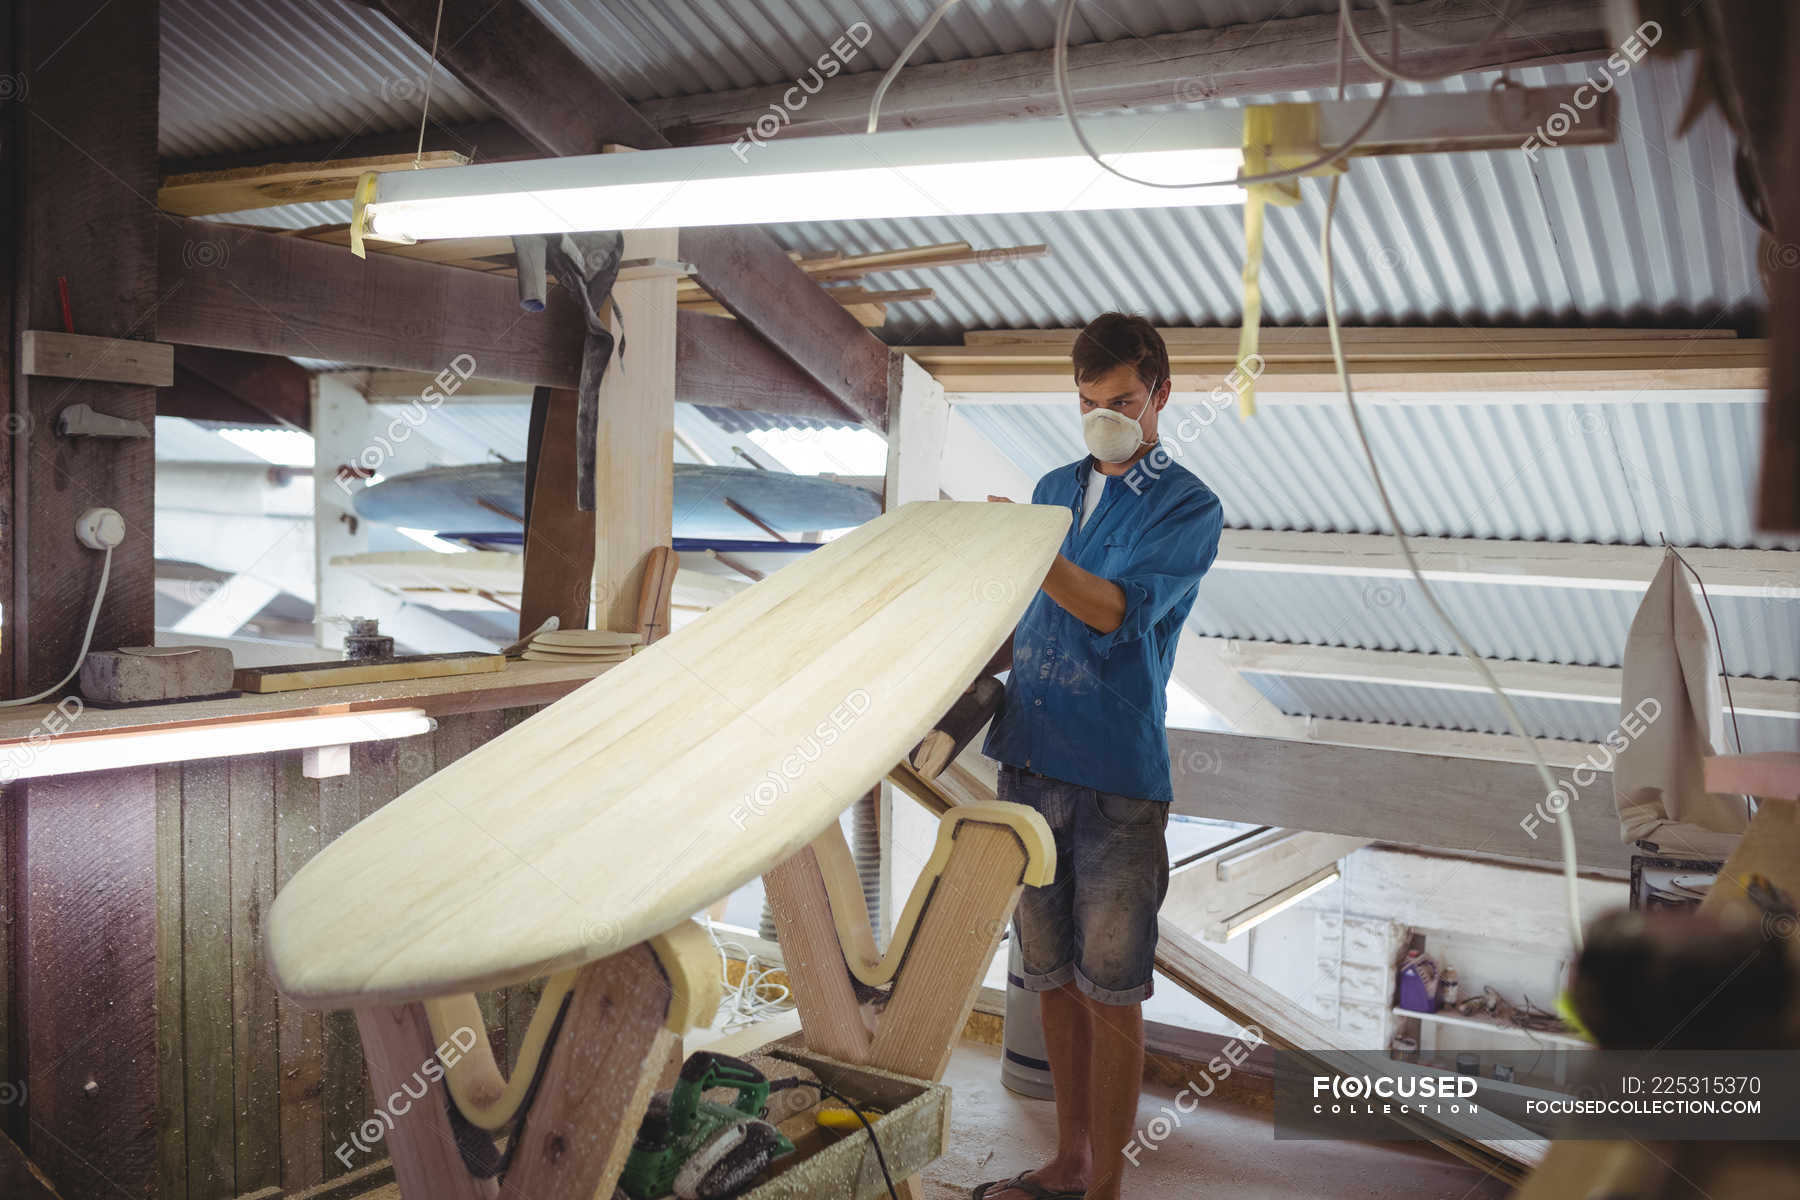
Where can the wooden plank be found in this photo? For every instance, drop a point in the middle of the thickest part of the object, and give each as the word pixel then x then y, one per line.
pixel 319 302
pixel 207 927
pixel 480 141
pixel 203 193
pixel 343 1079
pixel 757 284
pixel 1564 681
pixel 950 950
pixel 597 1082
pixel 1758 574
pixel 531 78
pixel 1717 365
pixel 827 638
pixel 100 359
pixel 1252 59
pixel 80 170
pixel 307 676
pixel 171 1042
pixel 634 481
pixel 830 1016
pixel 559 537
pixel 255 1021
pixel 271 384
pixel 724 362
pixel 300 1036
pixel 1409 799
pixel 398 1042
pixel 519 683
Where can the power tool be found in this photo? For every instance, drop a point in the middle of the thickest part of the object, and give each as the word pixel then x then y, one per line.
pixel 695 1149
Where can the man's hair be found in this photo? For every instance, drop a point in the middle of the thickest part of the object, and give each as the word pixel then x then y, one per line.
pixel 1117 339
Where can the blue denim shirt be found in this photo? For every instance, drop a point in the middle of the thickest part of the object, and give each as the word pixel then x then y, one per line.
pixel 1089 708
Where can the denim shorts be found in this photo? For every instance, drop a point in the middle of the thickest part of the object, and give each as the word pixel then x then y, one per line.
pixel 1095 922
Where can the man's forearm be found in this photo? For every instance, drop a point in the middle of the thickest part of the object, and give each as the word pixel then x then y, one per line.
pixel 1095 602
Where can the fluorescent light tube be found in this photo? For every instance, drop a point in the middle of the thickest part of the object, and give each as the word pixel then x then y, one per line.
pixel 1012 166
pixel 1027 166
pixel 74 753
pixel 1262 910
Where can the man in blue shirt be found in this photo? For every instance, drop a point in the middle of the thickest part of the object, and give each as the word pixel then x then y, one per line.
pixel 1081 738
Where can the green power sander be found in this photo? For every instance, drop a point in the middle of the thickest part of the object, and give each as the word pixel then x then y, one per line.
pixel 695 1149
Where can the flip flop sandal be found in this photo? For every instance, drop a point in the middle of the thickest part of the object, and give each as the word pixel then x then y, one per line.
pixel 1019 1183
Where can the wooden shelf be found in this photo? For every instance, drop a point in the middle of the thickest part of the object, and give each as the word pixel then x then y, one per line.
pixel 519 685
pixel 1460 1022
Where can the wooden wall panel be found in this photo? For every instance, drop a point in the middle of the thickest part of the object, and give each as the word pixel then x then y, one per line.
pixel 142 939
pixel 300 1038
pixel 208 1044
pixel 84 921
pixel 254 1019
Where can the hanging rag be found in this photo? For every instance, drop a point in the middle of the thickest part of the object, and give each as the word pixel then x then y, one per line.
pixel 587 264
pixel 1670 685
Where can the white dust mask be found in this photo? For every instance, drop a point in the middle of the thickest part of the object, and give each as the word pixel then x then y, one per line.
pixel 1111 436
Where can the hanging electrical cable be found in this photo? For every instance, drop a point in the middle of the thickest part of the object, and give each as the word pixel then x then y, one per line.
pixel 1060 70
pixel 887 78
pixel 1564 826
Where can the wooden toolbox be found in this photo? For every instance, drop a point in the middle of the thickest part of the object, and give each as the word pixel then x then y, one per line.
pixel 912 1130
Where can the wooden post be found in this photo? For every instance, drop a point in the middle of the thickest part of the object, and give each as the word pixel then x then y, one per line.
pixel 634 466
pixel 341 441
pixel 82 145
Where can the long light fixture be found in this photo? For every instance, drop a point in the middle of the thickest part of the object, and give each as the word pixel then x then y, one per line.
pixel 1014 166
pixel 76 753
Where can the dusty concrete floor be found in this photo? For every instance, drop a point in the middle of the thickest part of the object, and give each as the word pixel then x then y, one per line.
pixel 1220 1150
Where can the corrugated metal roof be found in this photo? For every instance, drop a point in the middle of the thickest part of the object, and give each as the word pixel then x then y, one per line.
pixel 239 74
pixel 1480 712
pixel 1544 471
pixel 660 48
pixel 1648 230
pixel 1583 626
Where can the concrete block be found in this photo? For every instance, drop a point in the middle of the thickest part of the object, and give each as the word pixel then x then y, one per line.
pixel 145 674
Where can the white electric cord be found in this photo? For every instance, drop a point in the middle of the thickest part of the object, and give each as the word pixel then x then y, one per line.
pixel 1563 823
pixel 918 39
pixel 87 640
pixel 1060 65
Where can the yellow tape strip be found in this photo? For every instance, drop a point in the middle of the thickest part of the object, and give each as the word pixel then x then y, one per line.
pixel 359 216
pixel 1276 137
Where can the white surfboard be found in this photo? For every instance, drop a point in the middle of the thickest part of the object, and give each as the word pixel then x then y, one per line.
pixel 674 778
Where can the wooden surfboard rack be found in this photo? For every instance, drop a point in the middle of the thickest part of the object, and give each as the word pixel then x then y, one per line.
pixel 598 1046
pixel 942 944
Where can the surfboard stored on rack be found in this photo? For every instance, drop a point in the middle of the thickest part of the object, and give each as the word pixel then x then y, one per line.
pixel 674 778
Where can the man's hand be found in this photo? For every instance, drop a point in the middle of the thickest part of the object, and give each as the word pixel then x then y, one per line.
pixel 992 499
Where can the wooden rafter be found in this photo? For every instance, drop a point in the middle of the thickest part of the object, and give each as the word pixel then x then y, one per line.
pixel 1255 59
pixel 203 193
pixel 531 78
pixel 1297 364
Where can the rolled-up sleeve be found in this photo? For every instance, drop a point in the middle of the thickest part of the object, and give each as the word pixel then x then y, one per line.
pixel 1166 566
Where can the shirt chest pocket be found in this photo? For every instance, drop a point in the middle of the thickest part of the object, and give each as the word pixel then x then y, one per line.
pixel 1115 554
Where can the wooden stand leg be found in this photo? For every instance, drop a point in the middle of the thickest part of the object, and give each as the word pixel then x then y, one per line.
pixel 605 1065
pixel 397 1044
pixel 611 1049
pixel 956 938
pixel 831 1019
